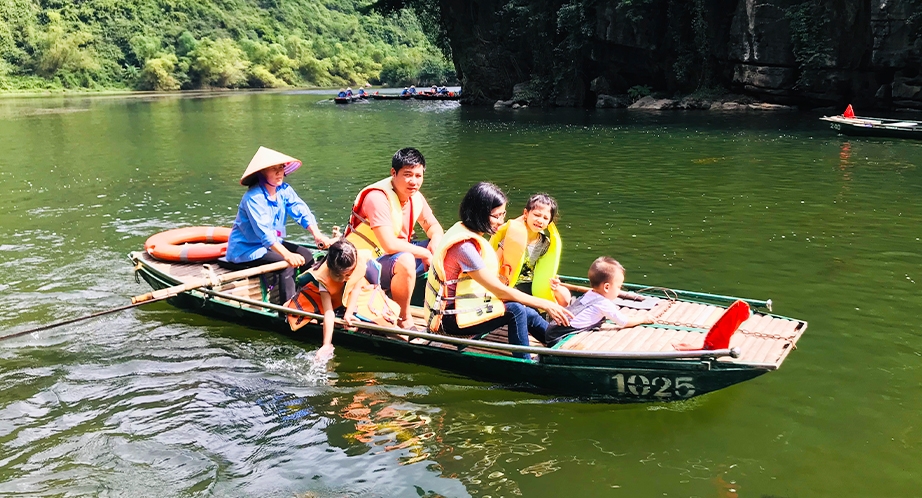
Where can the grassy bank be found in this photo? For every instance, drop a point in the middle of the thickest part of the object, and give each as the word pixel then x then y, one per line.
pixel 54 45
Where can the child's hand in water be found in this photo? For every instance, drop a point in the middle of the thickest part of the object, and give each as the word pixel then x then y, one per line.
pixel 325 352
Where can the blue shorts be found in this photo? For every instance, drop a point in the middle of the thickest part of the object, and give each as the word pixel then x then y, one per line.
pixel 389 260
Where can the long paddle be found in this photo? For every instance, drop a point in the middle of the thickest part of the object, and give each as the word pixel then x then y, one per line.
pixel 446 339
pixel 160 295
pixel 206 282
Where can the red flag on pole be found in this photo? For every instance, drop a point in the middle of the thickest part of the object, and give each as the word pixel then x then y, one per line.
pixel 849 112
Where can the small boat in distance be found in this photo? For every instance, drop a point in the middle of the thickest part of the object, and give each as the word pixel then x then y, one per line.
pixel 437 96
pixel 848 123
pixel 382 96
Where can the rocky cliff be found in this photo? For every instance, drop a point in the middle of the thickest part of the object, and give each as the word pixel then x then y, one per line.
pixel 809 53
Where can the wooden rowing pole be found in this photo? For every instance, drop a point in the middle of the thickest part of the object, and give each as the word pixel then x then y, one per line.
pixel 215 281
pixel 160 295
pixel 463 341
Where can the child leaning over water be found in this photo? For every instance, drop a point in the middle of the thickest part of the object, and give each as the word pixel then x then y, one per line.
pixel 592 308
pixel 528 248
pixel 327 287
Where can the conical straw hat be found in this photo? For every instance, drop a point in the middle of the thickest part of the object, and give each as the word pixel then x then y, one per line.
pixel 266 158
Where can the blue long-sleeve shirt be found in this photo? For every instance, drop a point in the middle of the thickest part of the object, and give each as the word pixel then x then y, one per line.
pixel 260 221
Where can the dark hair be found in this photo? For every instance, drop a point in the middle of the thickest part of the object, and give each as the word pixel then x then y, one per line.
pixel 253 179
pixel 408 156
pixel 603 269
pixel 477 204
pixel 542 198
pixel 341 256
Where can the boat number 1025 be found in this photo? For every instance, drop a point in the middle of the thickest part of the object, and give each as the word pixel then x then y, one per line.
pixel 658 387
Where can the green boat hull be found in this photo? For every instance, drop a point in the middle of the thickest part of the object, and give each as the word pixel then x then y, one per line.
pixel 597 379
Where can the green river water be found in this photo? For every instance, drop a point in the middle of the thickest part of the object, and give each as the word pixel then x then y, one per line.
pixel 156 401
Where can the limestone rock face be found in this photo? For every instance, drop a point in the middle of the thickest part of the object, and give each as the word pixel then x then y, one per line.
pixel 612 101
pixel 654 104
pixel 790 52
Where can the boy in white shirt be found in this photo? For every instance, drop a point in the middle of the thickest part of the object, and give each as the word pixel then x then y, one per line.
pixel 592 308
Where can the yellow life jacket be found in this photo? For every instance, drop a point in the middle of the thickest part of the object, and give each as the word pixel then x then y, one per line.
pixel 309 297
pixel 374 306
pixel 473 304
pixel 514 236
pixel 360 233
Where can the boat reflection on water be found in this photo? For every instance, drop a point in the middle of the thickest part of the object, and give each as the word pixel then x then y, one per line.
pixel 374 420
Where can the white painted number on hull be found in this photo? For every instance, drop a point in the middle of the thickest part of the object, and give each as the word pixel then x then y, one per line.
pixel 659 387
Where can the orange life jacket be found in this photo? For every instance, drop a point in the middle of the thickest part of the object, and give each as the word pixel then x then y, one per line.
pixel 309 298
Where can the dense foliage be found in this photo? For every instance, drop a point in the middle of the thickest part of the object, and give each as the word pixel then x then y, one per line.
pixel 173 44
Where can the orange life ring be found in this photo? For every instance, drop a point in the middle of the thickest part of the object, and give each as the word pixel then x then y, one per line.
pixel 189 245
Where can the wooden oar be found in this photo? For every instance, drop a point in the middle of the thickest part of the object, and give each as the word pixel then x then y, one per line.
pixel 160 295
pixel 446 339
pixel 205 282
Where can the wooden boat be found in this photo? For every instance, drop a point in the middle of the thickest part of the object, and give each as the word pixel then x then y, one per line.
pixel 349 100
pixel 638 364
pixel 378 96
pixel 849 124
pixel 431 96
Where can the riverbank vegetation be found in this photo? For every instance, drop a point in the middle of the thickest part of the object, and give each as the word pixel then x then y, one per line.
pixel 186 44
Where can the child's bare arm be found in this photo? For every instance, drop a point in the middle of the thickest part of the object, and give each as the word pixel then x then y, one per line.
pixel 329 318
pixel 639 320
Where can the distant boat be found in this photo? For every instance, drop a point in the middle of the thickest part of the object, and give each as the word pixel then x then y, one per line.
pixel 379 96
pixel 438 96
pixel 349 100
pixel 849 124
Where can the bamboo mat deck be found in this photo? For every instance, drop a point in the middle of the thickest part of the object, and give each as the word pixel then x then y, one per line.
pixel 762 339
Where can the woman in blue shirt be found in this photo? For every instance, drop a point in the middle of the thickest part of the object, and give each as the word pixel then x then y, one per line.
pixel 258 234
